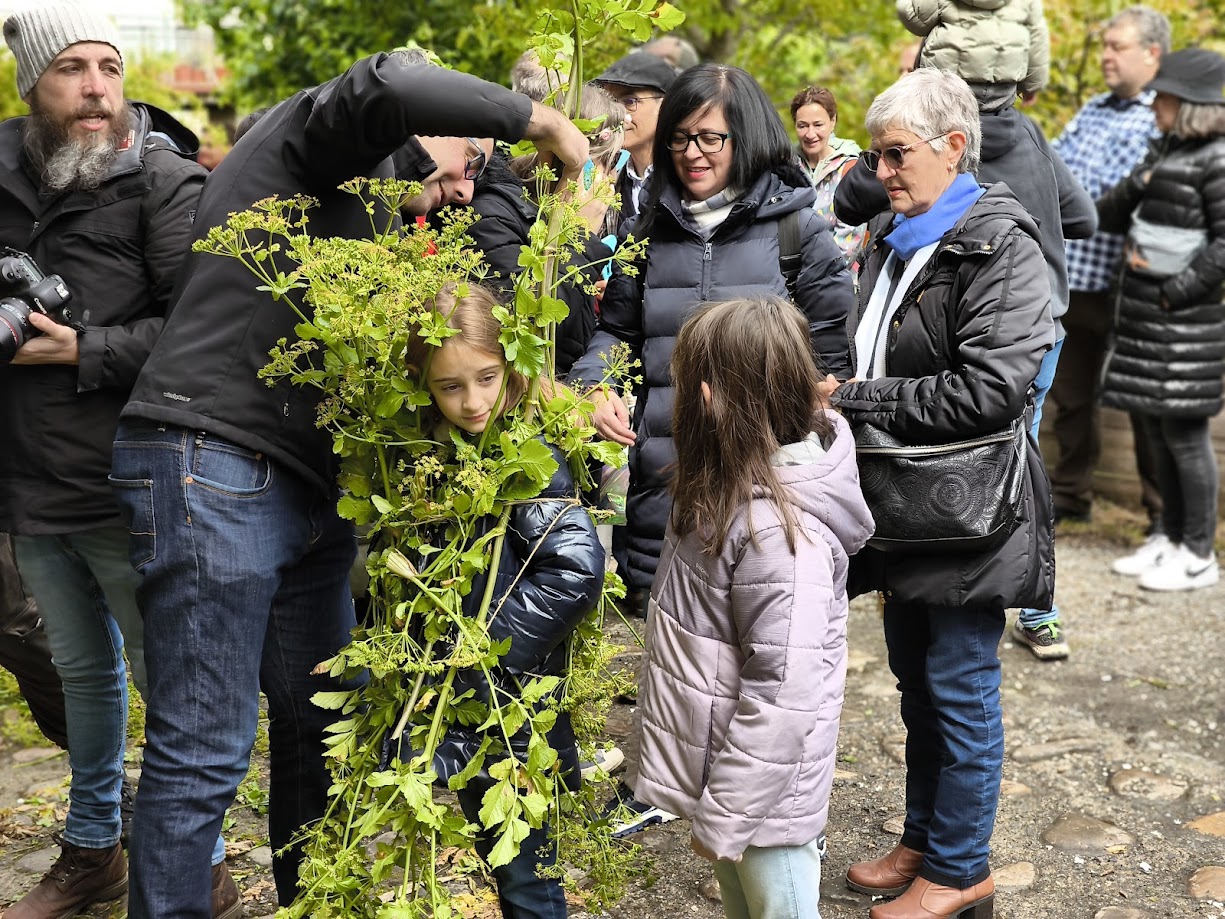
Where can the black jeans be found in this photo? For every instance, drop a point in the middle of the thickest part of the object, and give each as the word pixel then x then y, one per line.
pixel 1187 476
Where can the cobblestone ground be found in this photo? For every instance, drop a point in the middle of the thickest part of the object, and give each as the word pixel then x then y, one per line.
pixel 1114 793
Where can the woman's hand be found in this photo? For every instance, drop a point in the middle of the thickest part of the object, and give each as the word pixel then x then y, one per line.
pixel 611 418
pixel 827 386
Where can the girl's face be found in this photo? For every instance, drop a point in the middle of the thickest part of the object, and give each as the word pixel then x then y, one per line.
pixel 813 127
pixel 465 383
pixel 703 173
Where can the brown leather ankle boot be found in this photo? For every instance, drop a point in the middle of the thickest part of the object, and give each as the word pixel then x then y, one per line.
pixel 925 900
pixel 78 878
pixel 888 875
pixel 227 904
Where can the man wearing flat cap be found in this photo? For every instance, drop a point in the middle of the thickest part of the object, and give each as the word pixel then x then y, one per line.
pixel 101 192
pixel 639 81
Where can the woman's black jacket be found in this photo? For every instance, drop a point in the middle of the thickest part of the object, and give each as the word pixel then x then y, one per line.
pixel 1169 342
pixel 964 348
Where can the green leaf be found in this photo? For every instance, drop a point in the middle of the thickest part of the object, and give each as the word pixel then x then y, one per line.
pixel 333 700
pixel 497 804
pixel 507 846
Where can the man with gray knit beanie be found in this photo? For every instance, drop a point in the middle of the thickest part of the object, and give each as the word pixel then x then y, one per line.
pixel 101 192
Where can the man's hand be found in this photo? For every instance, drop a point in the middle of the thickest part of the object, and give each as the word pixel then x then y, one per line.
pixel 57 344
pixel 552 133
pixel 611 418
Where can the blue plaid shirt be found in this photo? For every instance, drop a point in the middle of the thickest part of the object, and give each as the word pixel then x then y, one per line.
pixel 1101 146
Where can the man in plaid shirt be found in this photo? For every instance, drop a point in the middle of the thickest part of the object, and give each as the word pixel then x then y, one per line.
pixel 1106 139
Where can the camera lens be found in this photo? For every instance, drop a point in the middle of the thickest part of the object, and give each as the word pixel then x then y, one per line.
pixel 15 328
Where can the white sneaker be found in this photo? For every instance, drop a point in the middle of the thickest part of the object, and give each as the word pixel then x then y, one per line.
pixel 1155 548
pixel 606 762
pixel 1182 569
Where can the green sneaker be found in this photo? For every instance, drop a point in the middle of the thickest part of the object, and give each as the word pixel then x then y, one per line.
pixel 1045 641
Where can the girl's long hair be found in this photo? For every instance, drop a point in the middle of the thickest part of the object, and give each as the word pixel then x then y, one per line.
pixel 469 309
pixel 756 358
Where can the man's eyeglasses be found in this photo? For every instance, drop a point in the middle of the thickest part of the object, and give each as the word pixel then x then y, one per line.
pixel 894 156
pixel 707 141
pixel 631 102
pixel 475 164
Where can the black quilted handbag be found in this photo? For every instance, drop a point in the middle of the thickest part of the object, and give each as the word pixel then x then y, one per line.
pixel 959 497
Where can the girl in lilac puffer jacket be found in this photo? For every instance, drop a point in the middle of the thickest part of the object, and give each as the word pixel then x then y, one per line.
pixel 745 661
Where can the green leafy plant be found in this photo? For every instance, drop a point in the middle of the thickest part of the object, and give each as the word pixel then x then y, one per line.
pixel 436 506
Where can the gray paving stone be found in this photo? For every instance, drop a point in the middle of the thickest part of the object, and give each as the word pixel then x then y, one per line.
pixel 1079 833
pixel 1140 783
pixel 39 862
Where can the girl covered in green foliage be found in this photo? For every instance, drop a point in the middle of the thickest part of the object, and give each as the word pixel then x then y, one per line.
pixel 548 577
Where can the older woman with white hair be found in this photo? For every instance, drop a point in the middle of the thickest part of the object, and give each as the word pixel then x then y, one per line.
pixel 952 323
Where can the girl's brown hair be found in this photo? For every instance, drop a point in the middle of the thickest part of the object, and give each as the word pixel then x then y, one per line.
pixel 469 309
pixel 756 358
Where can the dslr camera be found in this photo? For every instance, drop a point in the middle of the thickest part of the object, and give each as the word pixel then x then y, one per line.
pixel 23 290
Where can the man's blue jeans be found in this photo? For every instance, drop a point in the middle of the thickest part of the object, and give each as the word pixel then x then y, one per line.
pixel 245 587
pixel 948 670
pixel 86 591
pixel 779 882
pixel 1032 618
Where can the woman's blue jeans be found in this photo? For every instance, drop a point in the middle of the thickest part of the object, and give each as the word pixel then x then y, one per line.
pixel 244 587
pixel 948 670
pixel 1032 618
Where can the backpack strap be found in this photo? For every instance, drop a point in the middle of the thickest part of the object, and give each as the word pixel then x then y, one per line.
pixel 789 250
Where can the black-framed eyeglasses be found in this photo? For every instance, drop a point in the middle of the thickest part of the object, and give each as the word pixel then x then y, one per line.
pixel 707 141
pixel 895 157
pixel 475 164
pixel 631 102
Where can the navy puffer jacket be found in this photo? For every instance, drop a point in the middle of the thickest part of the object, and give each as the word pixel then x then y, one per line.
pixel 682 272
pixel 550 576
pixel 1169 348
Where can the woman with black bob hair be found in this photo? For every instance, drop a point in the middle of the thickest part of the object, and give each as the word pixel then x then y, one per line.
pixel 723 191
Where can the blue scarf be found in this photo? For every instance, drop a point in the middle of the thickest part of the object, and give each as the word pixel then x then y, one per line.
pixel 910 234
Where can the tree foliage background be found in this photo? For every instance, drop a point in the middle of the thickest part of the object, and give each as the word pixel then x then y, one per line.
pixel 276 47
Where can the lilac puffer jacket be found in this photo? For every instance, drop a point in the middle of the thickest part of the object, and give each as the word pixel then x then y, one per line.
pixel 745 663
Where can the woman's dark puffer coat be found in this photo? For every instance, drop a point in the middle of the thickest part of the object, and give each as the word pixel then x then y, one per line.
pixel 550 577
pixel 1169 348
pixel 964 348
pixel 506 216
pixel 682 272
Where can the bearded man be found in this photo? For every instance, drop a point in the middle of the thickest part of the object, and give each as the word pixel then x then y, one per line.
pixel 103 193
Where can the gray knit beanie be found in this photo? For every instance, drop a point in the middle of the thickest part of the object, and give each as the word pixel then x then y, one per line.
pixel 38 34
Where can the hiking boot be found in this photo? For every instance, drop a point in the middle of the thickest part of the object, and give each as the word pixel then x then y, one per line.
pixel 888 875
pixel 1182 569
pixel 606 762
pixel 1046 641
pixel 227 904
pixel 1155 548
pixel 79 878
pixel 629 815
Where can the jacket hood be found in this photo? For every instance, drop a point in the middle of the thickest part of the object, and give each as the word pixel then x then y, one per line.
pixel 999 132
pixel 828 489
pixel 992 216
pixel 770 196
pixel 159 125
pixel 497 179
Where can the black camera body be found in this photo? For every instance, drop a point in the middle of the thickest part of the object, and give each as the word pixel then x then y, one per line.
pixel 23 290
